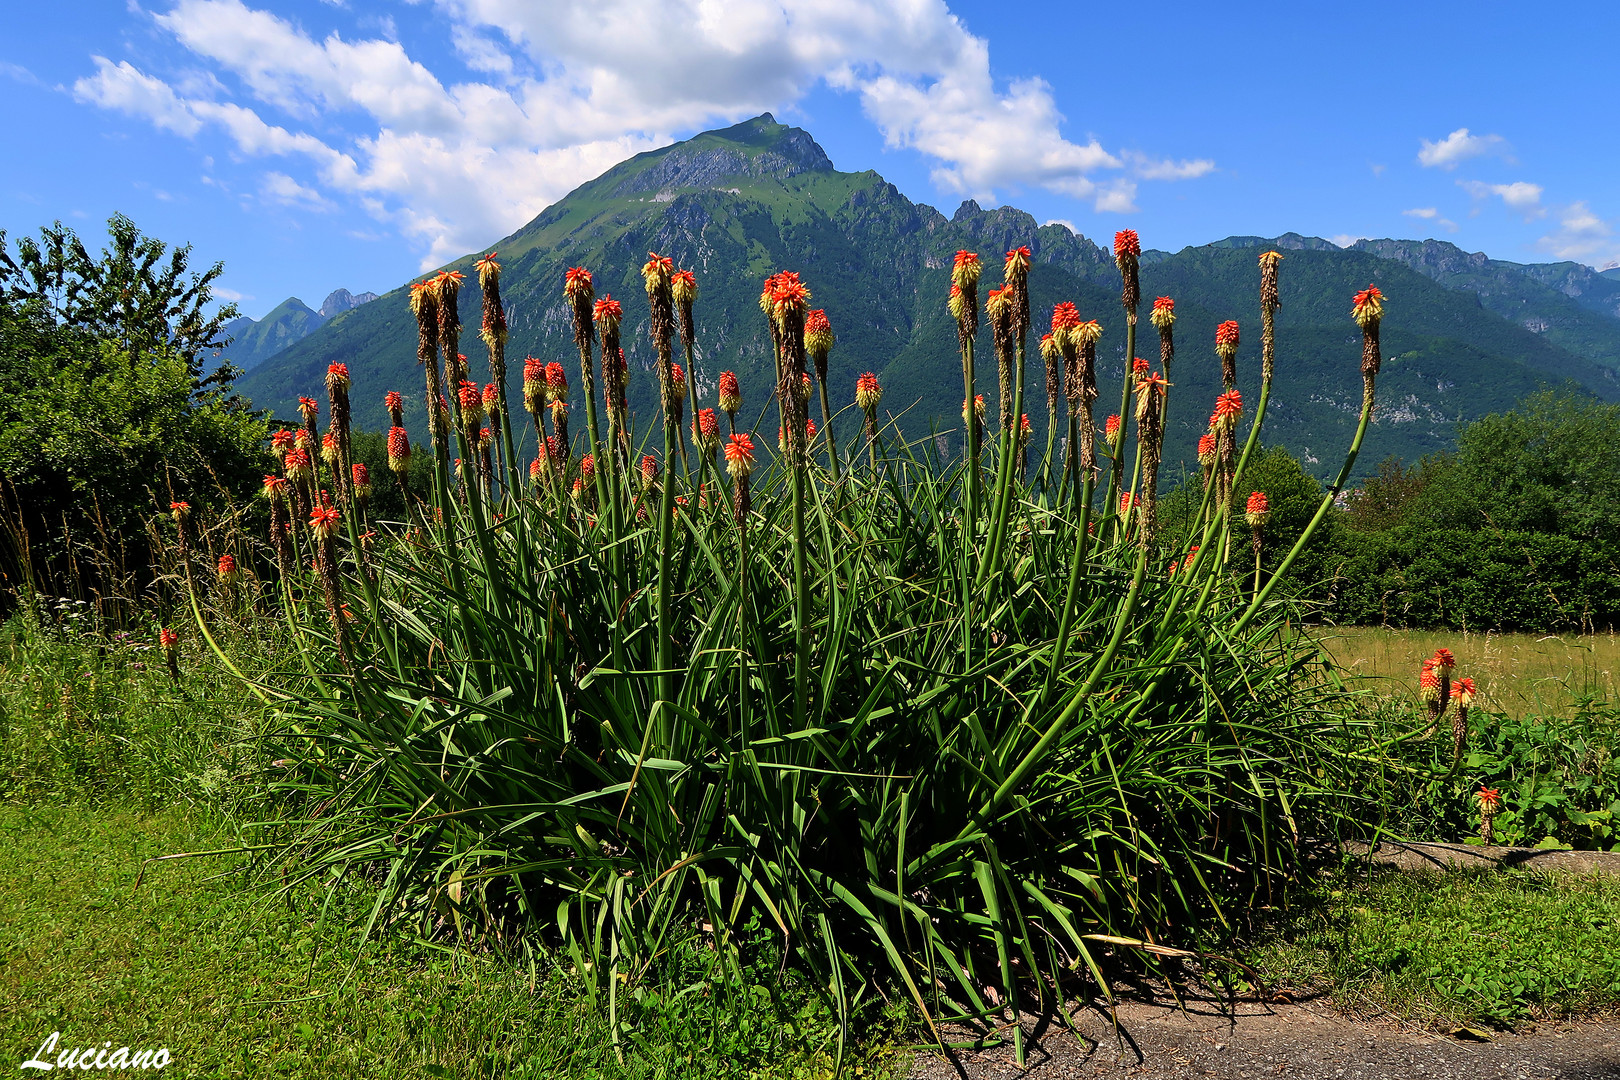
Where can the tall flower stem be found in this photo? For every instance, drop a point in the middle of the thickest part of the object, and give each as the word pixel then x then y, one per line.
pixel 1117 474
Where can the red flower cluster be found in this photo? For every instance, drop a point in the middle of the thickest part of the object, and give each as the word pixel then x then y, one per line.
pixel 1065 317
pixel 1206 450
pixel 577 283
pixel 1139 367
pixel 393 401
pixel 739 455
pixel 730 392
pixel 1111 428
pixel 1368 305
pixel 309 407
pixel 323 521
pixel 1228 410
pixel 1226 335
pixel 677 382
pixel 1126 242
pixel 1490 799
pixel 168 639
pixel 867 392
pixel 608 312
pixel 1017 263
pixel 965 270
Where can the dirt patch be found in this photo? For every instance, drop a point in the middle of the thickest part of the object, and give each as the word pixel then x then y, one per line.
pixel 1422 856
pixel 1304 1041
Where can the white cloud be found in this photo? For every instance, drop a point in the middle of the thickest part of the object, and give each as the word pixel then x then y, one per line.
pixel 1065 222
pixel 1582 236
pixel 229 295
pixel 283 190
pixel 1458 147
pixel 1344 240
pixel 19 73
pixel 1151 169
pixel 1520 196
pixel 1430 213
pixel 458 164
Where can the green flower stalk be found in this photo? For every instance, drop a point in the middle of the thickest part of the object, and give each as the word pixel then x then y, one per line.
pixel 684 289
pixel 1257 513
pixel 1270 301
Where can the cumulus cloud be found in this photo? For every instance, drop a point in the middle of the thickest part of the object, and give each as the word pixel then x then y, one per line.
pixel 1458 147
pixel 1520 196
pixel 574 88
pixel 1583 236
pixel 1344 240
pixel 1431 213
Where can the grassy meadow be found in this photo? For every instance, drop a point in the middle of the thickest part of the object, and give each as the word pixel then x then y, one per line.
pixel 1515 673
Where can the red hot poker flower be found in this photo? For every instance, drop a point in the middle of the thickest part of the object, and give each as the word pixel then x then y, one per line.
pixel 557 380
pixel 649 468
pixel 867 392
pixel 730 392
pixel 309 407
pixel 608 312
pixel 1444 660
pixel 1139 367
pixel 1065 317
pixel 577 282
pixel 1111 428
pixel 393 401
pixel 323 521
pixel 168 639
pixel 1368 305
pixel 1462 692
pixel 1490 799
pixel 677 382
pixel 1228 410
pixel 1017 263
pixel 965 270
pixel 1226 338
pixel 1127 243
pixel 1206 450
pixel 1164 312
pixel 739 455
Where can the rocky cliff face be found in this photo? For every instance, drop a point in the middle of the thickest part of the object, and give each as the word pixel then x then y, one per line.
pixel 340 300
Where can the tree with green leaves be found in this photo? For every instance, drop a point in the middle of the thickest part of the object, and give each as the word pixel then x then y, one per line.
pixel 106 414
pixel 136 293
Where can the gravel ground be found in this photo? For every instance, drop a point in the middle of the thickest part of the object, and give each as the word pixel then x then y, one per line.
pixel 1304 1041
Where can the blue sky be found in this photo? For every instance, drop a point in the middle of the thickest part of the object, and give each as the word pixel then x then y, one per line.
pixel 316 144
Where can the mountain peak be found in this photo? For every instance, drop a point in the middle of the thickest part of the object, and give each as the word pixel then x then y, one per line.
pixel 755 148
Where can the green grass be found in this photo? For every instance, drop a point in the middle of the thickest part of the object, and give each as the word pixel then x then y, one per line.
pixel 238 983
pixel 1497 948
pixel 1516 673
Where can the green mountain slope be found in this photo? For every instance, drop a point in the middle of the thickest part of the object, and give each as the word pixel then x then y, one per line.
pixel 255 341
pixel 737 204
pixel 1571 305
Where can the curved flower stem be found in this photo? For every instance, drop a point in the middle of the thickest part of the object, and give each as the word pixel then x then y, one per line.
pixel 1253 609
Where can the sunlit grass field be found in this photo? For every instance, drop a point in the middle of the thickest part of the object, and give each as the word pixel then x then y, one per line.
pixel 1517 674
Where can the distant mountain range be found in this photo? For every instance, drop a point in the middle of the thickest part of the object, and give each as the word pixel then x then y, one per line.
pixel 1464 335
pixel 252 342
